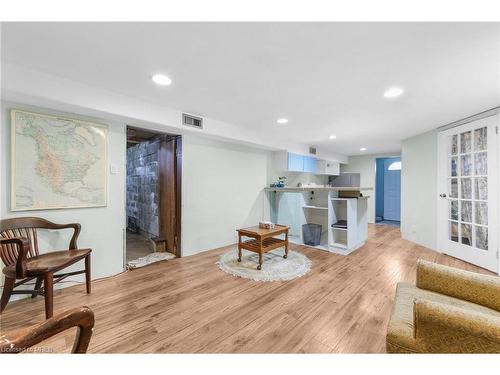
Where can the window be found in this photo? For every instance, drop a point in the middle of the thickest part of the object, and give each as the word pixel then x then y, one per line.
pixel 395 166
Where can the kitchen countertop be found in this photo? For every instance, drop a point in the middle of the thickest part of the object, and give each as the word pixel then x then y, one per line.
pixel 303 188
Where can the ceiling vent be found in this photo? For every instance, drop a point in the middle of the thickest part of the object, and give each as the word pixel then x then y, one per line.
pixel 312 150
pixel 190 120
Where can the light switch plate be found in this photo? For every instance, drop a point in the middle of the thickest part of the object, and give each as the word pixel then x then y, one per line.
pixel 113 169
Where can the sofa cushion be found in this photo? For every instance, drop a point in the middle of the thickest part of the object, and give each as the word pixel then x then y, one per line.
pixel 400 330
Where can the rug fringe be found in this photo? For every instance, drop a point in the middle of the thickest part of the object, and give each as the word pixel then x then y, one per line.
pixel 262 278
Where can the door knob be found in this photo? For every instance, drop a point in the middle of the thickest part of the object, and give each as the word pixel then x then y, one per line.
pixel 442 195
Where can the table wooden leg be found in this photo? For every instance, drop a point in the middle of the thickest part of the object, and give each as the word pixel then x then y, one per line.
pixel 239 248
pixel 286 245
pixel 259 244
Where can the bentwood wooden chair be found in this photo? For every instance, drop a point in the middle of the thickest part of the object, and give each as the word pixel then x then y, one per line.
pixel 22 340
pixel 19 253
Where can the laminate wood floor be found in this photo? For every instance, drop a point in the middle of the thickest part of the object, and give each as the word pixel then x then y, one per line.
pixel 188 305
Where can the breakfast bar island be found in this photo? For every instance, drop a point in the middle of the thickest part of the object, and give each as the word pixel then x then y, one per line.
pixel 339 212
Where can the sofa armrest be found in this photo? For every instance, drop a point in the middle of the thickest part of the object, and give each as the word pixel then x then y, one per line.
pixel 443 328
pixel 469 286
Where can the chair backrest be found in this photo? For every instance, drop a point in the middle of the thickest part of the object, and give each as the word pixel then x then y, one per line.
pixel 27 227
pixel 18 227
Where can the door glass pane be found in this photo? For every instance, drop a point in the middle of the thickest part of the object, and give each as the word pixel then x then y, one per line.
pixel 481 213
pixel 466 162
pixel 482 237
pixel 454 145
pixel 466 190
pixel 453 210
pixel 466 211
pixel 465 142
pixel 466 234
pixel 481 188
pixel 453 193
pixel 481 163
pixel 453 231
pixel 480 139
pixel 453 167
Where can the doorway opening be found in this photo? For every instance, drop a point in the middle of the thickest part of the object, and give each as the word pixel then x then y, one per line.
pixel 388 191
pixel 153 196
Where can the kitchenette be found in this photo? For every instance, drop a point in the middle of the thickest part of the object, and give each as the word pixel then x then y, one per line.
pixel 331 217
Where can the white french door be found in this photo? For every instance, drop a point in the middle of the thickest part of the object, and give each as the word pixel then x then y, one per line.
pixel 468 208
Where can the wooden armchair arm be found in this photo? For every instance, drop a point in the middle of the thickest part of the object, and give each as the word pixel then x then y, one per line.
pixel 443 328
pixel 9 255
pixel 83 318
pixel 76 231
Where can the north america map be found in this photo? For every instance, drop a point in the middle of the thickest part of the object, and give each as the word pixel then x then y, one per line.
pixel 57 162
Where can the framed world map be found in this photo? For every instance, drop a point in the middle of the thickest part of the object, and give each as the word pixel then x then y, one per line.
pixel 57 162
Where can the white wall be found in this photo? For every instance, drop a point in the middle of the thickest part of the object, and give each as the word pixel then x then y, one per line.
pixel 365 165
pixel 229 192
pixel 222 190
pixel 419 189
pixel 102 227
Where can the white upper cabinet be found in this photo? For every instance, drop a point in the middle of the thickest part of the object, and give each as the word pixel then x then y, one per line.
pixel 285 161
pixel 325 167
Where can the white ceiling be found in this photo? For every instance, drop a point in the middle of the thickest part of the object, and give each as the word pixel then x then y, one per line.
pixel 326 78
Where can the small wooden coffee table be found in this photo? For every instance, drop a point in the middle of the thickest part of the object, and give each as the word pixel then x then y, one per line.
pixel 263 241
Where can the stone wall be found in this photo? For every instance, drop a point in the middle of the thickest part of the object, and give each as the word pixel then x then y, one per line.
pixel 143 187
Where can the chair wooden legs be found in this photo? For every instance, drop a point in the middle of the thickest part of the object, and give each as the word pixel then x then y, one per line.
pixel 38 284
pixel 87 273
pixel 48 288
pixel 286 245
pixel 7 289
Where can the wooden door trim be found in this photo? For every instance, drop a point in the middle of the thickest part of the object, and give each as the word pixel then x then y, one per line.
pixel 178 203
pixel 169 205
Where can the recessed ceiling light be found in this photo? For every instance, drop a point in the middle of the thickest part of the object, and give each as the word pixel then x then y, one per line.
pixel 161 79
pixel 282 120
pixel 393 92
pixel 333 136
pixel 362 149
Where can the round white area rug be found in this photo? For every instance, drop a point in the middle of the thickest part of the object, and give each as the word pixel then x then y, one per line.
pixel 274 268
